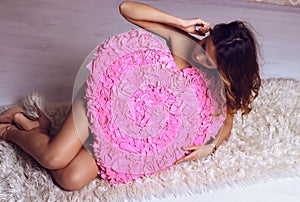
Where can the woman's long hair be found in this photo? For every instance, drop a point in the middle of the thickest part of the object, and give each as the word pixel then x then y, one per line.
pixel 237 60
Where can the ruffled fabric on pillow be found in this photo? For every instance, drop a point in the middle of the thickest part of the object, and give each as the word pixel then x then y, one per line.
pixel 142 109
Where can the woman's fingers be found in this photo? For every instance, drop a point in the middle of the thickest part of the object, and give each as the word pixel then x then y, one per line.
pixel 198 151
pixel 192 156
pixel 205 28
pixel 195 26
pixel 190 148
pixel 189 157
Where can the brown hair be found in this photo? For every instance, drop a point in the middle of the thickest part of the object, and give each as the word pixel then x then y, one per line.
pixel 237 60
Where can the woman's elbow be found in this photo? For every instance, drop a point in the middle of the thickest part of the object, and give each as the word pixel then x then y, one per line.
pixel 124 6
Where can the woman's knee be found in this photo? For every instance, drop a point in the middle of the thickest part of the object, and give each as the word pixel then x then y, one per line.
pixel 71 179
pixel 81 170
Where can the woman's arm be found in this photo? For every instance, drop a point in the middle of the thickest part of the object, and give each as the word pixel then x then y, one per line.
pixel 200 151
pixel 159 22
pixel 176 31
pixel 224 131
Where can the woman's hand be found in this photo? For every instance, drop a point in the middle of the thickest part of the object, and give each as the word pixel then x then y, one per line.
pixel 195 26
pixel 199 151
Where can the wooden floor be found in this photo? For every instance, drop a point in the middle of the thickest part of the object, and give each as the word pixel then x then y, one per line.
pixel 44 42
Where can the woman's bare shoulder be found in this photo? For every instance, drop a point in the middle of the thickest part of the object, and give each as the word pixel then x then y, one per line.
pixel 181 46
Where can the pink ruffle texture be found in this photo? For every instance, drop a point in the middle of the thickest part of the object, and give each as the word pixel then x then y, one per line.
pixel 142 109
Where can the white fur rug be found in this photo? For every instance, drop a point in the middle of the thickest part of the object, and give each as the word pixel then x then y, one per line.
pixel 263 147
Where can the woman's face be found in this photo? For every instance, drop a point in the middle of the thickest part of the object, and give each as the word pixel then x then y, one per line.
pixel 204 53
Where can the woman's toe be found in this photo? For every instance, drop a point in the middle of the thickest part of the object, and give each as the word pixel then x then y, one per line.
pixel 3 130
pixel 8 115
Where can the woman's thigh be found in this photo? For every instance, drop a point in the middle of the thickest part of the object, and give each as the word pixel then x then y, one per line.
pixel 72 134
pixel 78 173
pixel 80 120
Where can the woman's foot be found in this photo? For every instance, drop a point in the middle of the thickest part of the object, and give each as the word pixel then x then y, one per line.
pixel 24 123
pixel 43 120
pixel 3 130
pixel 8 115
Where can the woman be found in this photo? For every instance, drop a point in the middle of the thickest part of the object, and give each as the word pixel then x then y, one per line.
pixel 230 47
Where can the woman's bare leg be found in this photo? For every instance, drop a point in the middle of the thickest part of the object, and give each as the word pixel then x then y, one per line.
pixel 79 172
pixel 56 152
pixel 8 115
pixel 51 153
pixel 70 164
pixel 25 123
pixel 18 116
